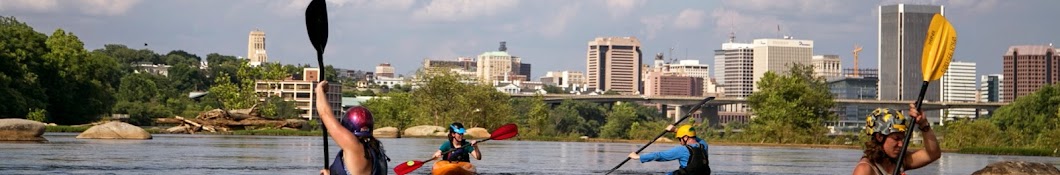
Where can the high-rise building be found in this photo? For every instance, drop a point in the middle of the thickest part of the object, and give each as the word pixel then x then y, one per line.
pixel 1028 68
pixel 614 64
pixel 384 70
pixel 990 89
pixel 778 55
pixel 958 85
pixel 737 76
pixel 494 65
pixel 256 48
pixel 501 66
pixel 564 79
pixel 827 66
pixel 902 29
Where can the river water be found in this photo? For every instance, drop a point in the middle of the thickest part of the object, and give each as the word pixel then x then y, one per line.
pixel 224 154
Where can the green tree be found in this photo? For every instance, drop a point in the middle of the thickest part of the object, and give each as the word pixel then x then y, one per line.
pixel 550 89
pixel 277 108
pixel 538 116
pixel 80 84
pixel 231 95
pixel 181 57
pixel 187 78
pixel 395 109
pixel 437 95
pixel 21 49
pixel 622 115
pixel 791 108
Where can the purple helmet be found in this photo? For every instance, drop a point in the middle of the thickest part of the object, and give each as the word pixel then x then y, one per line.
pixel 359 121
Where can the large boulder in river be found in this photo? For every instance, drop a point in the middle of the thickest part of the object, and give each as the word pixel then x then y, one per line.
pixel 115 130
pixel 21 130
pixel 425 130
pixel 387 132
pixel 1017 168
pixel 479 133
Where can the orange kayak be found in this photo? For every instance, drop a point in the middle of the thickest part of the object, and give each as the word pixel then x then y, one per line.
pixel 453 168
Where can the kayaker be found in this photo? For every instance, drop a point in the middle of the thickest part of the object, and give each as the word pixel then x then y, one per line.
pixel 691 154
pixel 360 153
pixel 457 148
pixel 886 129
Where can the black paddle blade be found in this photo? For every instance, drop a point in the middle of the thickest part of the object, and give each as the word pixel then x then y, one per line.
pixel 316 23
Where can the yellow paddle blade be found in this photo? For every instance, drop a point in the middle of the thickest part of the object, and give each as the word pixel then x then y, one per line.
pixel 938 48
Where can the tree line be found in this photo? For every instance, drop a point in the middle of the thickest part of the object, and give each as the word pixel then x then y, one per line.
pixel 444 97
pixel 53 78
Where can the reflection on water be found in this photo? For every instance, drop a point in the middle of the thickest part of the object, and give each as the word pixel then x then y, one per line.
pixel 216 154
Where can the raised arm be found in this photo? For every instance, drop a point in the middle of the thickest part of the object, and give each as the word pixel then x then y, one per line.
pixel 343 137
pixel 931 151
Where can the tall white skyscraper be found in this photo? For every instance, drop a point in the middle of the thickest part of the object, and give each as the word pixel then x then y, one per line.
pixel 959 85
pixel 736 62
pixel 778 55
pixel 256 48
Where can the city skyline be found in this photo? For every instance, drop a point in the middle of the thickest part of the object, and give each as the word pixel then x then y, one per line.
pixel 442 29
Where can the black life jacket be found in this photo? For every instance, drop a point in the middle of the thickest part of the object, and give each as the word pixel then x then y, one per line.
pixel 462 154
pixel 697 162
pixel 376 156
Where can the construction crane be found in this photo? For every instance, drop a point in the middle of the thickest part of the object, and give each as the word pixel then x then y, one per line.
pixel 857 49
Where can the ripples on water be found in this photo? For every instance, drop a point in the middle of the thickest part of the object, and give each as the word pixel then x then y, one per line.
pixel 218 154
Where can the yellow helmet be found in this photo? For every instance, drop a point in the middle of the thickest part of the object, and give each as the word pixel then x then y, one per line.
pixel 685 130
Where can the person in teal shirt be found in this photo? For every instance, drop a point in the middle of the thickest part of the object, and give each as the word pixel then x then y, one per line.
pixel 457 148
pixel 691 154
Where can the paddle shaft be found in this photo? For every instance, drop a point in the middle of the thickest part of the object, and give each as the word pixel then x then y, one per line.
pixel 909 133
pixel 323 127
pixel 688 114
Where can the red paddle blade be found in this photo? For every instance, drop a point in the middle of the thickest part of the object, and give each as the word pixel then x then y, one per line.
pixel 408 167
pixel 504 132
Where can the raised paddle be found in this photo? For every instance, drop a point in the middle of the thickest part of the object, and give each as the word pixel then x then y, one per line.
pixel 939 44
pixel 504 132
pixel 316 24
pixel 687 114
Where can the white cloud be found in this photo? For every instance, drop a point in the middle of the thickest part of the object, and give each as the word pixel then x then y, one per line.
pixel 107 7
pixel 690 19
pixel 619 8
pixel 653 24
pixel 459 10
pixel 558 24
pixel 747 25
pixel 297 7
pixel 29 5
pixel 798 8
pixel 90 7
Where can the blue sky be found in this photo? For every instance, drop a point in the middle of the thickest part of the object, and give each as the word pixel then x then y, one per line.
pixel 550 34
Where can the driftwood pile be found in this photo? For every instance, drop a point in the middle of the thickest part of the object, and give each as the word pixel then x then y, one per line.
pixel 218 120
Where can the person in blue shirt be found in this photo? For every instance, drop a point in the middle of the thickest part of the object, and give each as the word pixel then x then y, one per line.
pixel 691 154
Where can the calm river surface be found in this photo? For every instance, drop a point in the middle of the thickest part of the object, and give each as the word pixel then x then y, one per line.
pixel 218 154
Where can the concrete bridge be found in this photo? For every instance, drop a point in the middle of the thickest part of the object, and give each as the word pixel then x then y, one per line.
pixel 710 109
pixel 687 100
